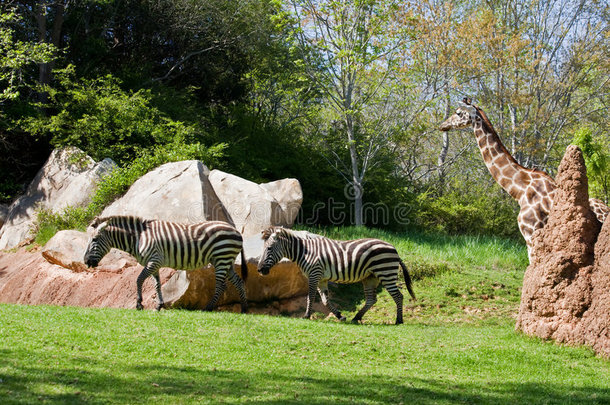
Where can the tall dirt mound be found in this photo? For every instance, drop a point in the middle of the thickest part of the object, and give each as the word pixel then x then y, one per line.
pixel 596 321
pixel 563 288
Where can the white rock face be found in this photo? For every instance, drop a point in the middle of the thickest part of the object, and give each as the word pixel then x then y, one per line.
pixel 288 193
pixel 178 192
pixel 67 249
pixel 3 213
pixel 254 207
pixel 68 178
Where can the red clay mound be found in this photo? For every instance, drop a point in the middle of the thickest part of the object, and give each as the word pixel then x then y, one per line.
pixel 565 288
pixel 27 278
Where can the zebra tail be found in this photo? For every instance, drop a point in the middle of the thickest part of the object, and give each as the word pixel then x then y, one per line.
pixel 244 265
pixel 405 272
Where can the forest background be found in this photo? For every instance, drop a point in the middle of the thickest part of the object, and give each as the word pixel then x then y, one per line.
pixel 345 96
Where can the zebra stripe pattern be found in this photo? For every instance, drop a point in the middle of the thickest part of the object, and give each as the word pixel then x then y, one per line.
pixel 371 261
pixel 157 244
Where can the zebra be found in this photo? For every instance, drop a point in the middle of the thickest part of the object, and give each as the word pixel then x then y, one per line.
pixel 157 244
pixel 322 260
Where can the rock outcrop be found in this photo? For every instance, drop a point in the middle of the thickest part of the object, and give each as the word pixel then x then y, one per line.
pixel 178 192
pixel 3 213
pixel 563 295
pixel 288 193
pixel 184 192
pixel 57 276
pixel 254 207
pixel 27 278
pixel 68 178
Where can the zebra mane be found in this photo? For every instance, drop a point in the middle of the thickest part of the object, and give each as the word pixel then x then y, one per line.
pixel 271 230
pixel 117 220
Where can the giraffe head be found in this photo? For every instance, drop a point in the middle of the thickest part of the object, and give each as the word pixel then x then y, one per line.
pixel 463 117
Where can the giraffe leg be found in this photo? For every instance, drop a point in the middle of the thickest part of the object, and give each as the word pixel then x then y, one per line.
pixel 160 302
pixel 241 289
pixel 370 295
pixel 392 287
pixel 325 296
pixel 221 277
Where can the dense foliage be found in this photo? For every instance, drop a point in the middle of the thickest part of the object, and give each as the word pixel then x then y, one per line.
pixel 346 96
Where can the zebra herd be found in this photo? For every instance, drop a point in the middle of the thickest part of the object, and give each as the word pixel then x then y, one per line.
pixel 157 244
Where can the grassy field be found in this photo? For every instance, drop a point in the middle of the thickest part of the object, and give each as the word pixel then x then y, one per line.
pixel 458 345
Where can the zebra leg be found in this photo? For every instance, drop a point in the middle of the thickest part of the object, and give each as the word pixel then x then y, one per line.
pixel 160 302
pixel 146 271
pixel 370 295
pixel 221 284
pixel 395 293
pixel 314 279
pixel 241 289
pixel 325 296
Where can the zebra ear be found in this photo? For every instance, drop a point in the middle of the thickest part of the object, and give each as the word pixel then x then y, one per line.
pixel 97 225
pixel 280 230
pixel 267 233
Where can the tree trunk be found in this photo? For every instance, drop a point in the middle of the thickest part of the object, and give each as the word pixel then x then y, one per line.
pixel 45 69
pixel 442 156
pixel 357 189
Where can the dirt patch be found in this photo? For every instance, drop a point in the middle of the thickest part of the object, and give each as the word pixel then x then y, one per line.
pixel 565 288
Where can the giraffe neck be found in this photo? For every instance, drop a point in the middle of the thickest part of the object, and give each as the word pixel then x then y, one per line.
pixel 505 170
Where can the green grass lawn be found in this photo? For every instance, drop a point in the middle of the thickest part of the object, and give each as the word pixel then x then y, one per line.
pixel 458 345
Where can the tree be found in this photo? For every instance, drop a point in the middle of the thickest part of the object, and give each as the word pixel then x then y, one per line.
pixel 597 159
pixel 17 56
pixel 358 43
pixel 18 61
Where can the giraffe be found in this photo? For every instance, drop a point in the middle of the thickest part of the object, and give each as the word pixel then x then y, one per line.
pixel 532 189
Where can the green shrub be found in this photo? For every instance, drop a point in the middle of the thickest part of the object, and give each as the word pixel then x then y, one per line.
pixel 104 120
pixel 49 223
pixel 468 213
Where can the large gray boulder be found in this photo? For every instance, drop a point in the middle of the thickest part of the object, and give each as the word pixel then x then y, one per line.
pixel 67 249
pixel 288 193
pixel 253 207
pixel 178 192
pixel 3 213
pixel 68 178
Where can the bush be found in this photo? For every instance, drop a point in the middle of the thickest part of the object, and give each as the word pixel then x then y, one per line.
pixel 484 213
pixel 102 119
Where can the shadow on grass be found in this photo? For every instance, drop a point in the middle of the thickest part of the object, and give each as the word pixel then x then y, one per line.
pixel 102 383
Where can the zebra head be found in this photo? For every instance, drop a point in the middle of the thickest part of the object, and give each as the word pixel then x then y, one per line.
pixel 273 250
pixel 99 243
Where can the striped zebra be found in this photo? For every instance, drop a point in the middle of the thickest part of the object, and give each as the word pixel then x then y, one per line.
pixel 157 244
pixel 322 260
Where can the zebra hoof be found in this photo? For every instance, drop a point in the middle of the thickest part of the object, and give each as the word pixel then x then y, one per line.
pixel 244 309
pixel 160 307
pixel 356 321
pixel 342 319
pixel 139 306
pixel 208 308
